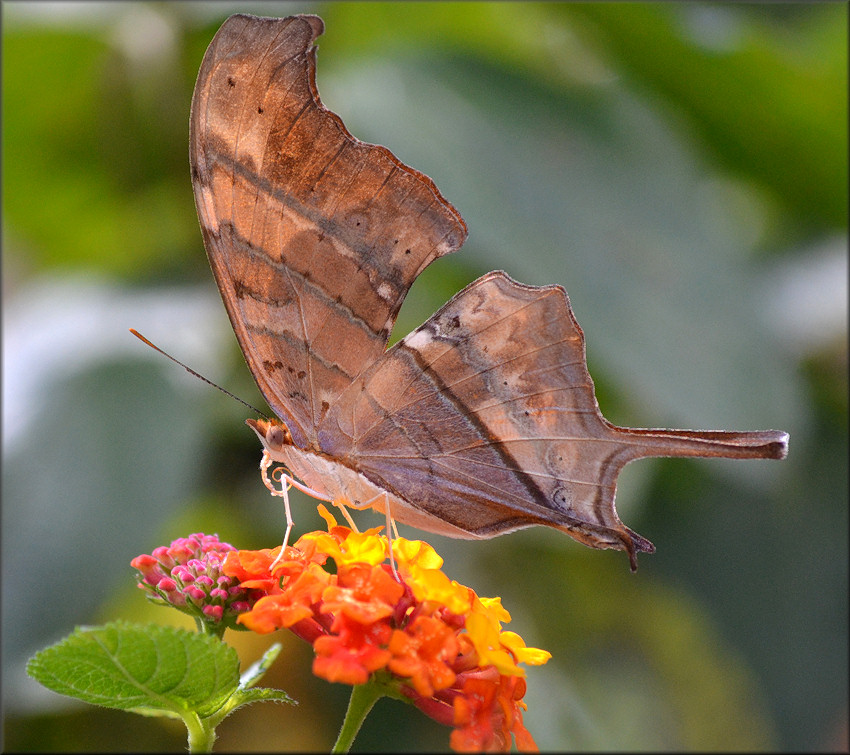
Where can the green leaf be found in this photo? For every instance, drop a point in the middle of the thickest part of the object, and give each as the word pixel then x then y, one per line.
pixel 247 693
pixel 150 669
pixel 259 694
pixel 255 671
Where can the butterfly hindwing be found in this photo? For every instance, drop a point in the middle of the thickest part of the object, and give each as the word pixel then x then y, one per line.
pixel 491 417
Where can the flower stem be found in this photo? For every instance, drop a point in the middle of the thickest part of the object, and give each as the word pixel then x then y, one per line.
pixel 201 737
pixel 363 697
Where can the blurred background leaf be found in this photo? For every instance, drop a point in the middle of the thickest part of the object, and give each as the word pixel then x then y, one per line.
pixel 680 168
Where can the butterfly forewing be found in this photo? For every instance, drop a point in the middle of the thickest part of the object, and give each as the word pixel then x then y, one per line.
pixel 314 236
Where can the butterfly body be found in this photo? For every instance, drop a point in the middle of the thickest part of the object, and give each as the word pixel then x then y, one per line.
pixel 333 481
pixel 481 421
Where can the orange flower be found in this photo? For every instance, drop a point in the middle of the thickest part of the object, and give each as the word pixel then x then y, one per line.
pixel 353 652
pixel 434 639
pixel 284 608
pixel 487 712
pixel 251 568
pixel 364 593
pixel 424 651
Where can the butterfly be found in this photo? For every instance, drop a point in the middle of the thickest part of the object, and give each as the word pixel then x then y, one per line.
pixel 481 421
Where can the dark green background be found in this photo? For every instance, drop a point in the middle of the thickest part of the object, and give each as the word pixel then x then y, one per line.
pixel 680 168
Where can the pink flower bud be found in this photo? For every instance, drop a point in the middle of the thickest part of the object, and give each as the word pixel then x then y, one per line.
pixel 195 593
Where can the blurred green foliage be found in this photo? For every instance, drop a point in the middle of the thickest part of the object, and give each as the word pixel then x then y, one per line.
pixel 680 168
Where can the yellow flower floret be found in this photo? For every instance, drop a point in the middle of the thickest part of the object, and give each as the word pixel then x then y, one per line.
pixel 501 649
pixel 523 653
pixel 434 585
pixel 416 552
pixel 358 548
pixel 484 631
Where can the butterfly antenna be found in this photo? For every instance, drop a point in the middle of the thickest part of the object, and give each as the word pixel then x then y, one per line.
pixel 197 375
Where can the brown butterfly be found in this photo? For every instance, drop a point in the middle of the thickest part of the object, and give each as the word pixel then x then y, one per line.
pixel 481 421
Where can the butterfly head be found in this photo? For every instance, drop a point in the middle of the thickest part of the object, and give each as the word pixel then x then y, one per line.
pixel 273 434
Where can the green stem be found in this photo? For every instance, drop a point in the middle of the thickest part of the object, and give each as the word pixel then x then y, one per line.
pixel 363 697
pixel 201 737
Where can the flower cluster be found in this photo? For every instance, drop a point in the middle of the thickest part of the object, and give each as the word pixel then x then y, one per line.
pixel 188 575
pixel 434 640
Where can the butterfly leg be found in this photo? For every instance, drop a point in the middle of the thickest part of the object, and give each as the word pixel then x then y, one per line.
pixel 287 480
pixel 391 528
pixel 342 505
pixel 303 488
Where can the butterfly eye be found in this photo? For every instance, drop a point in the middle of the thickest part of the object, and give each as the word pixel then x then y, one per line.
pixel 277 437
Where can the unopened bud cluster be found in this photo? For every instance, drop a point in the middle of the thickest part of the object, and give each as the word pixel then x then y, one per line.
pixel 187 575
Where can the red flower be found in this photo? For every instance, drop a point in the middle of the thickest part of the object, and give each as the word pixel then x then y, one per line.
pixel 487 711
pixel 352 651
pixel 285 608
pixel 435 640
pixel 424 651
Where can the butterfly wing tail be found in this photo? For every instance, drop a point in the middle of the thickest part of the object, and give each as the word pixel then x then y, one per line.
pixel 765 444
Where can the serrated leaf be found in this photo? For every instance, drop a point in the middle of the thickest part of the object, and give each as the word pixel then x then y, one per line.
pixel 146 668
pixel 247 693
pixel 255 671
pixel 258 694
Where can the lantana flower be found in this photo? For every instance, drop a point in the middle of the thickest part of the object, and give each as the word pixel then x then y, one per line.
pixel 418 633
pixel 188 575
